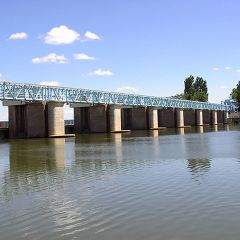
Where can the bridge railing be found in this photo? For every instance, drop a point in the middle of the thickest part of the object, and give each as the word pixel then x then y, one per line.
pixel 33 93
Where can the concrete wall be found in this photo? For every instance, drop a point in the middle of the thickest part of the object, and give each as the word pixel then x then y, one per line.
pixel 27 121
pixel 220 116
pixel 139 118
pixel 98 119
pixel 90 119
pixel 207 117
pixel 55 119
pixel 114 118
pixel 81 119
pixel 166 118
pixel 35 120
pixel 126 118
pixel 189 117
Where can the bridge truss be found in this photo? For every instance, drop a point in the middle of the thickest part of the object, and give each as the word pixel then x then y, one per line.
pixel 41 93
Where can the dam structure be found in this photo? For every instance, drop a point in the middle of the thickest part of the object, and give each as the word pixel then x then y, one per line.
pixel 38 111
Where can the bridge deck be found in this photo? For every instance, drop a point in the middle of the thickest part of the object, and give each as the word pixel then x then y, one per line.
pixel 36 93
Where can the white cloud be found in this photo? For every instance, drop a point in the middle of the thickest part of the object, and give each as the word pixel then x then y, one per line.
pixel 1 75
pixel 91 36
pixel 50 83
pixel 61 35
pixel 101 72
pixel 238 70
pixel 223 87
pixel 127 89
pixel 83 57
pixel 216 69
pixel 51 58
pixel 18 36
pixel 228 68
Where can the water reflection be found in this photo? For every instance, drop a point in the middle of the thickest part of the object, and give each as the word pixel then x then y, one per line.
pixel 118 147
pixel 33 165
pixel 37 155
pixel 215 128
pixel 181 131
pixel 153 133
pixel 198 167
pixel 226 127
pixel 122 186
pixel 200 129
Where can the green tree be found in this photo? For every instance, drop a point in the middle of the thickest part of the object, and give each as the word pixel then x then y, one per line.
pixel 178 96
pixel 235 95
pixel 196 89
pixel 189 87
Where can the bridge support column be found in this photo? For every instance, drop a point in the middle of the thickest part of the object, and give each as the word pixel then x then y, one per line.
pixel 179 118
pixel 166 118
pixel 199 117
pixel 225 117
pixel 153 118
pixel 115 118
pixel 55 115
pixel 214 117
pixel 98 118
pixel 189 117
pixel 27 121
pixel 139 118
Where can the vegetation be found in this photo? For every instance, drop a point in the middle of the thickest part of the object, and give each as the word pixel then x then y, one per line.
pixel 195 90
pixel 235 95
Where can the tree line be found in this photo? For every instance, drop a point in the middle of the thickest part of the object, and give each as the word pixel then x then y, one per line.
pixel 195 89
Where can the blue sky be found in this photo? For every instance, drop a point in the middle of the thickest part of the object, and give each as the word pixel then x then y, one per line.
pixel 146 47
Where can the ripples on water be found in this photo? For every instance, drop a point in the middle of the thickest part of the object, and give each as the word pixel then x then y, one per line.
pixel 143 185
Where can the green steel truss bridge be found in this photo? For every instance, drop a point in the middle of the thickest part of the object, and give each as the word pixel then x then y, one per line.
pixel 41 93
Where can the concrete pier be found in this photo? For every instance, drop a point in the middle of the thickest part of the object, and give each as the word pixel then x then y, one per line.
pixel 214 117
pixel 199 117
pixel 225 117
pixel 166 118
pixel 81 119
pixel 115 118
pixel 189 117
pixel 179 118
pixel 153 118
pixel 55 119
pixel 206 117
pixel 30 120
pixel 126 118
pixel 27 121
pixel 90 119
pixel 220 117
pixel 139 118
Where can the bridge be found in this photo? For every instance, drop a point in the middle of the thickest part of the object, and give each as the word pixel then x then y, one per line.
pixel 37 110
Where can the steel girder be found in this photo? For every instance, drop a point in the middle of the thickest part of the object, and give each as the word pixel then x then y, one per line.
pixel 36 93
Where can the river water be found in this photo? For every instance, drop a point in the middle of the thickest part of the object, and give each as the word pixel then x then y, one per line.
pixel 167 184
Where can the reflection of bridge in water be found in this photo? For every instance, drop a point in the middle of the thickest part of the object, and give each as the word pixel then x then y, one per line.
pixel 37 164
pixel 37 111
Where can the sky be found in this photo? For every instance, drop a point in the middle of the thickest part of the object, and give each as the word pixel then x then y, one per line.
pixel 138 46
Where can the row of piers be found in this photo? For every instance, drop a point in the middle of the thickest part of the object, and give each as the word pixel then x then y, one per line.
pixel 47 119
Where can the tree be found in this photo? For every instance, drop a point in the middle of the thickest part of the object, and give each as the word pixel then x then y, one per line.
pixel 189 87
pixel 196 89
pixel 235 95
pixel 178 96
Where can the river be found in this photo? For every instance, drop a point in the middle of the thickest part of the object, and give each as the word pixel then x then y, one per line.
pixel 168 184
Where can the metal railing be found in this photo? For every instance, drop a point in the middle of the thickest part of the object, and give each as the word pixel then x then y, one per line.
pixel 36 93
